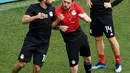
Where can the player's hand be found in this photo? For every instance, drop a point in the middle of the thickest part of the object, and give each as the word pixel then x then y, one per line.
pixel 60 17
pixel 63 28
pixel 107 5
pixel 85 17
pixel 81 16
pixel 89 3
pixel 41 15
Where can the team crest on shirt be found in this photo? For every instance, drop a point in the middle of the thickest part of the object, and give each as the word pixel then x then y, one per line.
pixel 51 13
pixel 74 12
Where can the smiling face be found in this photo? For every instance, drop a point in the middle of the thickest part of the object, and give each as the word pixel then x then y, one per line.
pixel 66 4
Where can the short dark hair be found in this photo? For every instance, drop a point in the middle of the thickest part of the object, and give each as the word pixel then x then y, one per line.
pixel 72 0
pixel 39 0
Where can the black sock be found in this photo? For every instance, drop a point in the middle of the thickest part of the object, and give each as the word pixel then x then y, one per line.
pixel 87 67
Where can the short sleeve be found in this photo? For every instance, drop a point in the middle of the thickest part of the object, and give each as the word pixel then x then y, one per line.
pixel 57 11
pixel 30 11
pixel 53 10
pixel 79 9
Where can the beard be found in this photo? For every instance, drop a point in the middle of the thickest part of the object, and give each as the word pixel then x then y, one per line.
pixel 48 4
pixel 65 8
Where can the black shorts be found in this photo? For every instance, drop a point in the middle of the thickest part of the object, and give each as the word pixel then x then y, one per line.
pixel 78 45
pixel 102 24
pixel 35 47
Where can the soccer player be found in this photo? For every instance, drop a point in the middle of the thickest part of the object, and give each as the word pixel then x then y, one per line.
pixel 102 22
pixel 76 41
pixel 36 43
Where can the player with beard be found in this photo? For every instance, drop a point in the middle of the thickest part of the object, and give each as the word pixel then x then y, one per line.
pixel 76 40
pixel 36 43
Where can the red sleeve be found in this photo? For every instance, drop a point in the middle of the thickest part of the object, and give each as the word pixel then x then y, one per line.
pixel 79 8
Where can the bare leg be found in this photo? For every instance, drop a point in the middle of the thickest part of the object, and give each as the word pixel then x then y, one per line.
pixel 100 48
pixel 115 48
pixel 18 66
pixel 74 69
pixel 36 69
pixel 100 45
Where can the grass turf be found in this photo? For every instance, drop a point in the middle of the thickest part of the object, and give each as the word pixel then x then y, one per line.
pixel 12 34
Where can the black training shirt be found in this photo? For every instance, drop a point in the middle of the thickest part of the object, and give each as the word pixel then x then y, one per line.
pixel 40 26
pixel 98 6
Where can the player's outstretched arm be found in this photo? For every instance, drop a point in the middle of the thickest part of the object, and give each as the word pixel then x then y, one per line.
pixel 58 19
pixel 85 17
pixel 27 18
pixel 55 23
